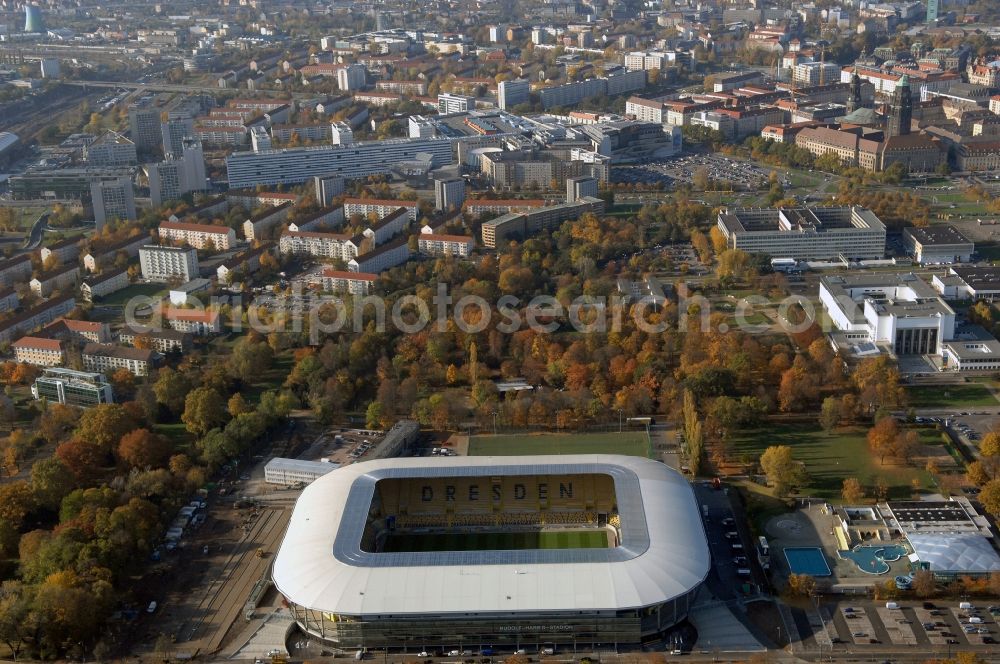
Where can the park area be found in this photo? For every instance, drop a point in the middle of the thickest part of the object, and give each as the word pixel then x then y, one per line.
pixel 829 457
pixel 630 443
pixel 967 395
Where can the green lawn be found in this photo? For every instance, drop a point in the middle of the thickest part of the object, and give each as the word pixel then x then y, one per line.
pixel 177 434
pixel 518 541
pixel 950 396
pixel 121 297
pixel 27 217
pixel 830 458
pixel 630 443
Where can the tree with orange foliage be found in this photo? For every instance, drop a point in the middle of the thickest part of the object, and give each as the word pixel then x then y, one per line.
pixel 84 459
pixel 25 374
pixel 142 448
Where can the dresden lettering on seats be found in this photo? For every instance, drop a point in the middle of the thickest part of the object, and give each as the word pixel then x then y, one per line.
pixel 473 492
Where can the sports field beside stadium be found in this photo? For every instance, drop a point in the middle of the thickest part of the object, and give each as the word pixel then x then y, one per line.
pixel 630 443
pixel 514 541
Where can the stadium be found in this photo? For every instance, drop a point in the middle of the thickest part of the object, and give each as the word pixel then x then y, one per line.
pixel 493 552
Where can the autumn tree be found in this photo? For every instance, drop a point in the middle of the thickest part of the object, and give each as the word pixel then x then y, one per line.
pixel 801 585
pixel 829 414
pixel 924 583
pixel 171 389
pixel 237 405
pixel 783 472
pixel 58 421
pixel 142 448
pixel 250 359
pixel 976 472
pixel 877 382
pixel 702 246
pixel 16 500
pixel 852 491
pixel 990 497
pixel 882 437
pixel 123 383
pixel 719 241
pixel 83 458
pixel 989 449
pixel 51 481
pixel 104 425
pixel 204 409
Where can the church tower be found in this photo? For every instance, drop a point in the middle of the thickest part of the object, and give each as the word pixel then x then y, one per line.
pixel 854 101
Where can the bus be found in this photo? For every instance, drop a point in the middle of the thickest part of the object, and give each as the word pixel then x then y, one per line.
pixel 763 553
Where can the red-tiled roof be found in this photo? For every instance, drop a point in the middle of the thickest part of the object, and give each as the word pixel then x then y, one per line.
pixel 38 342
pixel 198 228
pixel 342 274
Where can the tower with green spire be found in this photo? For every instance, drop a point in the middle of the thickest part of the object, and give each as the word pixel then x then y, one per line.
pixel 900 109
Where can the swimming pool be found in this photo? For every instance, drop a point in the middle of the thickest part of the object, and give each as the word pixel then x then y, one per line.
pixel 874 558
pixel 807 560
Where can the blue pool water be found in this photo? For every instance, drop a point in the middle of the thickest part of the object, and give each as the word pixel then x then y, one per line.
pixel 874 558
pixel 807 560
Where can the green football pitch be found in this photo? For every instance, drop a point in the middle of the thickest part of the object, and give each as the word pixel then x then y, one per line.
pixel 553 539
pixel 631 443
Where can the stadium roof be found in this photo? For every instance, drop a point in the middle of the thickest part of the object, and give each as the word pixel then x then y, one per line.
pixel 663 554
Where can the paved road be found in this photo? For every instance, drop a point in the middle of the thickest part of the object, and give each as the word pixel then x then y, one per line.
pixel 34 237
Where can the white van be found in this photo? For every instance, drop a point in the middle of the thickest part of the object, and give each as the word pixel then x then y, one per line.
pixel 891 605
pixel 975 620
pixel 965 605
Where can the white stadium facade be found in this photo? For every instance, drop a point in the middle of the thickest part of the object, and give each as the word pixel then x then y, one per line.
pixel 362 563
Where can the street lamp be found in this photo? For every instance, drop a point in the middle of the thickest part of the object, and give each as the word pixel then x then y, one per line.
pixel 619 420
pixel 494 422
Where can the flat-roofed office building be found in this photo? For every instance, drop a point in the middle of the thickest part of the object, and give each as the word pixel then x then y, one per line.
pixel 805 233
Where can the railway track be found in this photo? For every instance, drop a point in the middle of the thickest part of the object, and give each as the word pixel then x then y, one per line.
pixel 221 601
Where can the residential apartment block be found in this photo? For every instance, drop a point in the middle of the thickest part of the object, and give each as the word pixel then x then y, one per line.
pixel 355 283
pixel 39 351
pixel 322 245
pixel 108 358
pixel 523 224
pixel 62 278
pixel 39 315
pixel 129 248
pixel 66 251
pixel 104 284
pixel 260 225
pixel 433 244
pixel 380 206
pixel 199 236
pixel 162 341
pixel 480 206
pixel 168 263
pixel 15 270
pixel 381 258
pixel 195 321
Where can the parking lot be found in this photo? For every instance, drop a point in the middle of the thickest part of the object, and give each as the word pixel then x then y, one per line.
pixel 743 175
pixel 916 623
pixel 735 566
pixel 343 446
